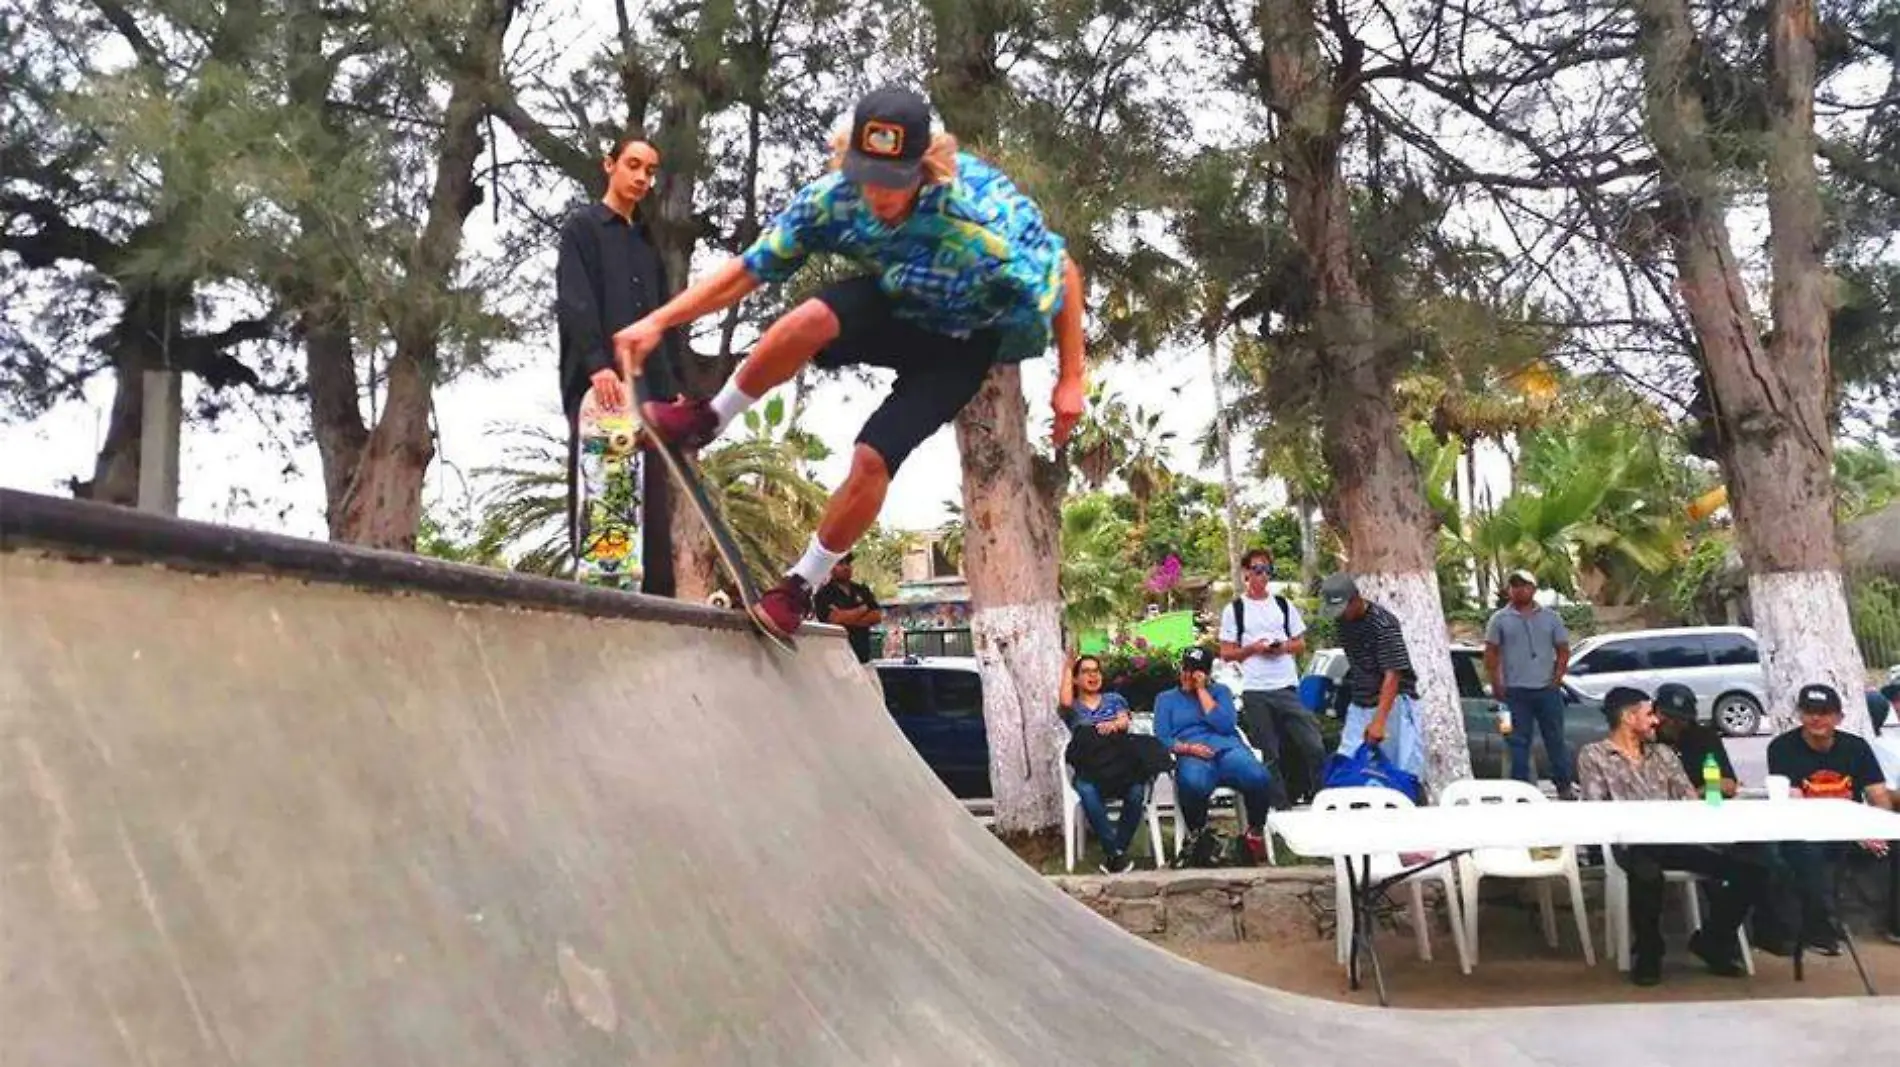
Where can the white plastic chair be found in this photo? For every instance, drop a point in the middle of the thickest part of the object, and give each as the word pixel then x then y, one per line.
pixel 1371 800
pixel 1516 863
pixel 1616 910
pixel 1075 824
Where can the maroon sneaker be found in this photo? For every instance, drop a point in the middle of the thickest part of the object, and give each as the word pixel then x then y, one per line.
pixel 688 422
pixel 784 606
pixel 1256 846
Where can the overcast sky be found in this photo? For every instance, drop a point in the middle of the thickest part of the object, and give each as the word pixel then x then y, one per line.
pixel 235 472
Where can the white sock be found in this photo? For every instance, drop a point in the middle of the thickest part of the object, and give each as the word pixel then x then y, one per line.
pixel 731 403
pixel 816 565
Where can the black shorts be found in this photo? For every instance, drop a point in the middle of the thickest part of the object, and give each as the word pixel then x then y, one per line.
pixel 936 375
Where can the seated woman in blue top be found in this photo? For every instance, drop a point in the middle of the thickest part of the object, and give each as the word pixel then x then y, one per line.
pixel 1197 723
pixel 1108 760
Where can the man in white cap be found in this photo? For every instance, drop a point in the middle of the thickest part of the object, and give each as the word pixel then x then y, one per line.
pixel 1526 652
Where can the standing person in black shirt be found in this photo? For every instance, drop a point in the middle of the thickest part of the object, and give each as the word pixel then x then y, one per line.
pixel 1379 676
pixel 1678 728
pixel 852 605
pixel 608 275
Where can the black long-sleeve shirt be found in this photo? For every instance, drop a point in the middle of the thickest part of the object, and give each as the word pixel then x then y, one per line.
pixel 608 275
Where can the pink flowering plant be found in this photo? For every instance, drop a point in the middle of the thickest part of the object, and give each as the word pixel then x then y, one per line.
pixel 1138 671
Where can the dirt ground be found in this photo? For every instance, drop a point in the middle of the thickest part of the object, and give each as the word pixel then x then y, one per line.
pixel 1516 969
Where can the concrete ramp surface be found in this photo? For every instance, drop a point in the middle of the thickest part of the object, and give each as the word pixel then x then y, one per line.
pixel 269 802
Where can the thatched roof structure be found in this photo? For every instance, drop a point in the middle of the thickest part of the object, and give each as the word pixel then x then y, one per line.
pixel 1871 543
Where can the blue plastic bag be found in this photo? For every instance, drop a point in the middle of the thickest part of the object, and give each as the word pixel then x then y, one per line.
pixel 1369 766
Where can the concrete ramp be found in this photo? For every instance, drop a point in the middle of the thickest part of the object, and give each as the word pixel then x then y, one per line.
pixel 270 802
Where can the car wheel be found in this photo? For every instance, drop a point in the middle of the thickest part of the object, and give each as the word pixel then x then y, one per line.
pixel 1737 715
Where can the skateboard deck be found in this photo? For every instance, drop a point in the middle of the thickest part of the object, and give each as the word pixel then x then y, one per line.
pixel 608 504
pixel 685 475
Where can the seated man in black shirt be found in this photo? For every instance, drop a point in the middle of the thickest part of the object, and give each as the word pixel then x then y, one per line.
pixel 1822 761
pixel 1678 729
pixel 852 605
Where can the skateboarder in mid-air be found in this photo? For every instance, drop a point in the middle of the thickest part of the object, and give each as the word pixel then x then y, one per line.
pixel 960 274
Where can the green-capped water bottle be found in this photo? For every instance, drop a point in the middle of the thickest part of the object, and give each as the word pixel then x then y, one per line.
pixel 1711 779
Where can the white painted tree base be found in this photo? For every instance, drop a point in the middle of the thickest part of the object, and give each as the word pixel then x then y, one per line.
pixel 1413 597
pixel 1807 636
pixel 1019 652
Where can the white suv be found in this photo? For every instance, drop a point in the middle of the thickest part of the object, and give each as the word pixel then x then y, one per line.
pixel 1721 664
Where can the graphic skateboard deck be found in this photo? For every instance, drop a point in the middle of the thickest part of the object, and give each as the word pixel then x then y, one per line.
pixel 608 503
pixel 685 474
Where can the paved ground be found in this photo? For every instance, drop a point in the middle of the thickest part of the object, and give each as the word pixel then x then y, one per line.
pixel 1516 969
pixel 250 819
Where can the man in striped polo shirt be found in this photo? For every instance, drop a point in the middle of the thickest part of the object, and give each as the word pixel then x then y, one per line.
pixel 1379 676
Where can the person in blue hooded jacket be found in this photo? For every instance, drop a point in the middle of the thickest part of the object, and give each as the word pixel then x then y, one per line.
pixel 1198 723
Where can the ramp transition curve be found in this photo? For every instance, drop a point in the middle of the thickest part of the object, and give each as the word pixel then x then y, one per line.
pixel 265 801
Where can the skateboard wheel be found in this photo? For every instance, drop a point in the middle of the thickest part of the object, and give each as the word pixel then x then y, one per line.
pixel 620 441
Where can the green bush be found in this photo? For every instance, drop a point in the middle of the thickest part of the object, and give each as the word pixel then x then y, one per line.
pixel 1874 604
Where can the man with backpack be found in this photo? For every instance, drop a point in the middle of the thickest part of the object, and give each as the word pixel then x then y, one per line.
pixel 1263 632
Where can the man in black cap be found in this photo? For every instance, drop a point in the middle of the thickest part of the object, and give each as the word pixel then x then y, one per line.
pixel 1382 685
pixel 852 605
pixel 1631 764
pixel 958 274
pixel 1200 724
pixel 1693 741
pixel 1821 760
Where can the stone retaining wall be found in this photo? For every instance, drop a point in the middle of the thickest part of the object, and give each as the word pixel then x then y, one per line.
pixel 1244 904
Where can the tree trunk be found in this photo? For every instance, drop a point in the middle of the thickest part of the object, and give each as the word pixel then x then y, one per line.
pixel 1390 531
pixel 1223 432
pixel 115 473
pixel 1773 437
pixel 1012 531
pixel 1010 541
pixel 383 506
pixel 1309 544
pixel 307 280
pixel 336 415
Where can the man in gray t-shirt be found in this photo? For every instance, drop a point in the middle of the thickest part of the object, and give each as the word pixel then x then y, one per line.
pixel 1526 651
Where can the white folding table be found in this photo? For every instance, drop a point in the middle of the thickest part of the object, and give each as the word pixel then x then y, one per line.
pixel 1444 833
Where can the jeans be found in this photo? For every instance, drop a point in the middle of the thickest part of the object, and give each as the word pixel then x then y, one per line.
pixel 1195 780
pixel 1270 713
pixel 1115 837
pixel 1404 745
pixel 1535 711
pixel 1736 887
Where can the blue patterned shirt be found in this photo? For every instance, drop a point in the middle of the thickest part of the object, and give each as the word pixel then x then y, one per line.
pixel 973 255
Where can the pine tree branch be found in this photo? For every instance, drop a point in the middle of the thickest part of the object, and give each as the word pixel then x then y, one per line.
pixel 56 238
pixel 558 151
pixel 1849 163
pixel 121 20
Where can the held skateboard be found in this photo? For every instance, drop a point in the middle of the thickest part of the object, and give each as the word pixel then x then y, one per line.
pixel 607 504
pixel 685 475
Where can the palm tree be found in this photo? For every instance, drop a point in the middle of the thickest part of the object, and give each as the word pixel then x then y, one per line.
pixel 523 503
pixel 760 483
pixel 1099 587
pixel 1866 479
pixel 950 536
pixel 1600 504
